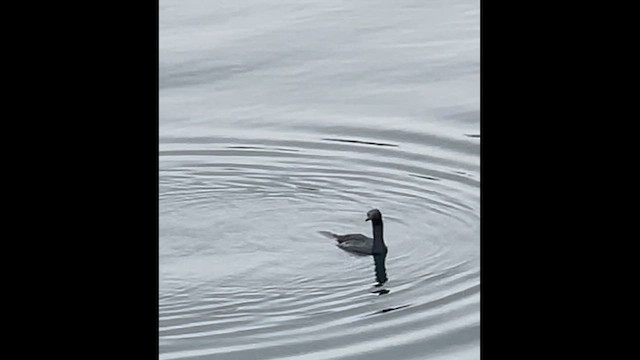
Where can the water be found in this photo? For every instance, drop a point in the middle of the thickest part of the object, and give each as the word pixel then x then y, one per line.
pixel 279 119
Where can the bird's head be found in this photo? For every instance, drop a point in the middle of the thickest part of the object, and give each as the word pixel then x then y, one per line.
pixel 374 215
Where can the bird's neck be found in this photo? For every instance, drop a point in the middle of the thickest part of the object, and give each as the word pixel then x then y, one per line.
pixel 378 241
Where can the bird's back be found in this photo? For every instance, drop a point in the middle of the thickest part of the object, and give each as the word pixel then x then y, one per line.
pixel 353 238
pixel 355 243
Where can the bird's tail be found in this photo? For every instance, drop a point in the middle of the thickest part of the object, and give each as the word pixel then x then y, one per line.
pixel 329 234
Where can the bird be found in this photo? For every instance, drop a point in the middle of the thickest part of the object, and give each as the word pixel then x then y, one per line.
pixel 361 244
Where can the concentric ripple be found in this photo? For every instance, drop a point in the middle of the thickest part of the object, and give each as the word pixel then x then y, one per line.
pixel 282 119
pixel 250 277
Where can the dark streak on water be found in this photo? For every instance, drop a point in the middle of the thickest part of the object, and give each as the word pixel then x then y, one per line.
pixel 360 142
pixel 392 309
pixel 426 177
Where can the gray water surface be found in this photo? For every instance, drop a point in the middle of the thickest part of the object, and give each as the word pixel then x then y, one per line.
pixel 279 119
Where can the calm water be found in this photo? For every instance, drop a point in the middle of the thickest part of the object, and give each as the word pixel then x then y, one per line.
pixel 279 119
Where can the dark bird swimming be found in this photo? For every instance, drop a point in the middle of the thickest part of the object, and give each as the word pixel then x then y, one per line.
pixel 361 244
pixel 364 245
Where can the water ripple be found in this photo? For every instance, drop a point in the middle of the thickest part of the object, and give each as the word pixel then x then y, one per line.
pixel 313 314
pixel 282 119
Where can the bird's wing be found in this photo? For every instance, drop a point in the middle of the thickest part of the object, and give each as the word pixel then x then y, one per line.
pixel 353 238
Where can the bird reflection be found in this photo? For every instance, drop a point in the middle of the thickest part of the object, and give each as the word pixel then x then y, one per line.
pixel 381 272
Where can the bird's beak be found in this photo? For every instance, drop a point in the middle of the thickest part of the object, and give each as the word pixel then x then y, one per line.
pixel 368 218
